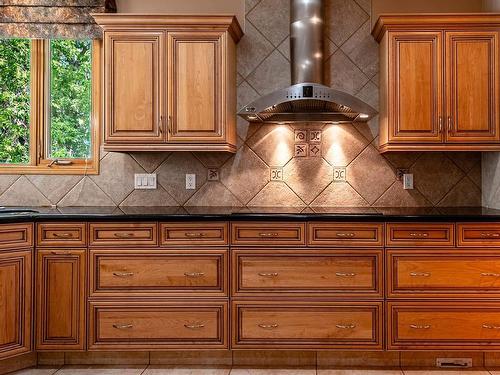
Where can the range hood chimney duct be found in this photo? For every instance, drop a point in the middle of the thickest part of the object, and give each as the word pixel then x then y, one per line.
pixel 308 99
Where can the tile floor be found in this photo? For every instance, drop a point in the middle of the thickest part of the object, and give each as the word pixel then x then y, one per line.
pixel 183 370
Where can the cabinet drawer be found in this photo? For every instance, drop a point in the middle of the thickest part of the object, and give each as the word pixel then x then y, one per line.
pixel 307 325
pixel 16 235
pixel 204 234
pixel 158 273
pixel 410 235
pixel 157 326
pixel 61 234
pixel 124 234
pixel 345 234
pixel 445 273
pixel 428 325
pixel 264 233
pixel 478 234
pixel 295 272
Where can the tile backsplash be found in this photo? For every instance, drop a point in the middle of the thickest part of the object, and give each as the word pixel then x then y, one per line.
pixel 285 165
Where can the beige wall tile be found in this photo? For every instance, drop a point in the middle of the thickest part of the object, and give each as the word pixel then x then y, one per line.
pixel 274 358
pixel 358 359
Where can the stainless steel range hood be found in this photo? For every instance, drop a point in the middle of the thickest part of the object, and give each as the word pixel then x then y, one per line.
pixel 308 99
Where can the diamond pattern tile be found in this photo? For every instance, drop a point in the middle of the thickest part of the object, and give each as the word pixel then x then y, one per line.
pixel 463 194
pixel 23 193
pixel 149 160
pixel 341 144
pixel 276 194
pixel 7 180
pixel 213 193
pixel 363 50
pixel 149 198
pixel 396 196
pixel 271 75
pixel 307 177
pixel 252 50
pixel 343 18
pixel 344 75
pixel 86 194
pixel 54 187
pixel 272 19
pixel 273 144
pixel 339 194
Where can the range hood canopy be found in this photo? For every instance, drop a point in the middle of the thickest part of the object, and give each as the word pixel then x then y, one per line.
pixel 308 99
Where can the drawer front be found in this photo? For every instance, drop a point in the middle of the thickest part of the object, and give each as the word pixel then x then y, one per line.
pixel 442 273
pixel 61 234
pixel 156 326
pixel 16 235
pixel 478 234
pixel 204 234
pixel 345 234
pixel 151 273
pixel 123 234
pixel 294 272
pixel 411 235
pixel 307 325
pixel 427 325
pixel 266 234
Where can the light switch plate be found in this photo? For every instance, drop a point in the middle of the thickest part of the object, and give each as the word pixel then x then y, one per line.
pixel 190 182
pixel 145 181
pixel 408 181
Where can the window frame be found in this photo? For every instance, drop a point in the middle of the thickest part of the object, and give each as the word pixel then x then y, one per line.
pixel 39 118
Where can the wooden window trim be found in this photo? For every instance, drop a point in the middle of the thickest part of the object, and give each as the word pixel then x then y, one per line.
pixel 39 162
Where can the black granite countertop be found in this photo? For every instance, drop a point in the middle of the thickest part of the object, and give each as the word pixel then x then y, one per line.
pixel 17 214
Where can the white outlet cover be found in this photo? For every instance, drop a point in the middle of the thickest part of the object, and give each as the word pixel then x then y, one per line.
pixel 408 181
pixel 145 181
pixel 190 181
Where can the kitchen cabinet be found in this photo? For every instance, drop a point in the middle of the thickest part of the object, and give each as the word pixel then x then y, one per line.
pixel 439 88
pixel 170 82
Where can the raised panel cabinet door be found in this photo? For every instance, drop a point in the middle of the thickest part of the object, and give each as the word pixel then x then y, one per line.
pixel 472 86
pixel 15 303
pixel 60 312
pixel 195 86
pixel 134 86
pixel 415 87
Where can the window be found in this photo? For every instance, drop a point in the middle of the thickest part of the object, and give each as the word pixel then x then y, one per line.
pixel 49 106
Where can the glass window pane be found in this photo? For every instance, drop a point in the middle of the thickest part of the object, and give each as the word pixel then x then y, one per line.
pixel 70 99
pixel 15 100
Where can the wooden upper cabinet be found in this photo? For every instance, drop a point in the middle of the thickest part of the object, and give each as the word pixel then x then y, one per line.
pixel 134 87
pixel 170 82
pixel 416 93
pixel 439 82
pixel 472 86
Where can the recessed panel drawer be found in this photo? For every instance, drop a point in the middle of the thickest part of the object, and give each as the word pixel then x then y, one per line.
pixel 158 325
pixel 443 325
pixel 186 234
pixel 346 234
pixel 264 233
pixel 411 235
pixel 123 234
pixel 307 325
pixel 443 273
pixel 158 273
pixel 307 273
pixel 478 234
pixel 62 234
pixel 16 235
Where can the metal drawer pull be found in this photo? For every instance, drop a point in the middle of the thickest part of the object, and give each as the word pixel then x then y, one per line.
pixel 490 326
pixel 194 235
pixel 269 326
pixel 490 234
pixel 418 326
pixel 268 274
pixel 345 274
pixel 194 274
pixel 346 326
pixel 63 235
pixel 123 274
pixel 274 234
pixel 124 235
pixel 419 234
pixel 123 326
pixel 490 274
pixel 194 326
pixel 340 234
pixel 61 253
pixel 420 274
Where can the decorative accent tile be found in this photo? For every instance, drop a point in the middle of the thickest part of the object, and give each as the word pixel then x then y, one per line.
pixel 339 174
pixel 301 150
pixel 300 136
pixel 314 151
pixel 314 136
pixel 213 174
pixel 276 174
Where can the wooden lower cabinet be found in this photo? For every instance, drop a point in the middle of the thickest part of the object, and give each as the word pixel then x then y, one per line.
pixel 442 325
pixel 61 299
pixel 158 325
pixel 15 302
pixel 307 325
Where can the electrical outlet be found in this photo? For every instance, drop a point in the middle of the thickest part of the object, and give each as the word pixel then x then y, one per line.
pixel 408 181
pixel 144 181
pixel 190 181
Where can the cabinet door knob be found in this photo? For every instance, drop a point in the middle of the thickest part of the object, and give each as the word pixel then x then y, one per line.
pixel 194 235
pixel 63 235
pixel 124 235
pixel 342 234
pixel 419 234
pixel 273 234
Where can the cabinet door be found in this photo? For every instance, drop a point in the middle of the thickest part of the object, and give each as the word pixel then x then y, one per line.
pixel 134 87
pixel 472 86
pixel 60 303
pixel 196 81
pixel 15 303
pixel 415 87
